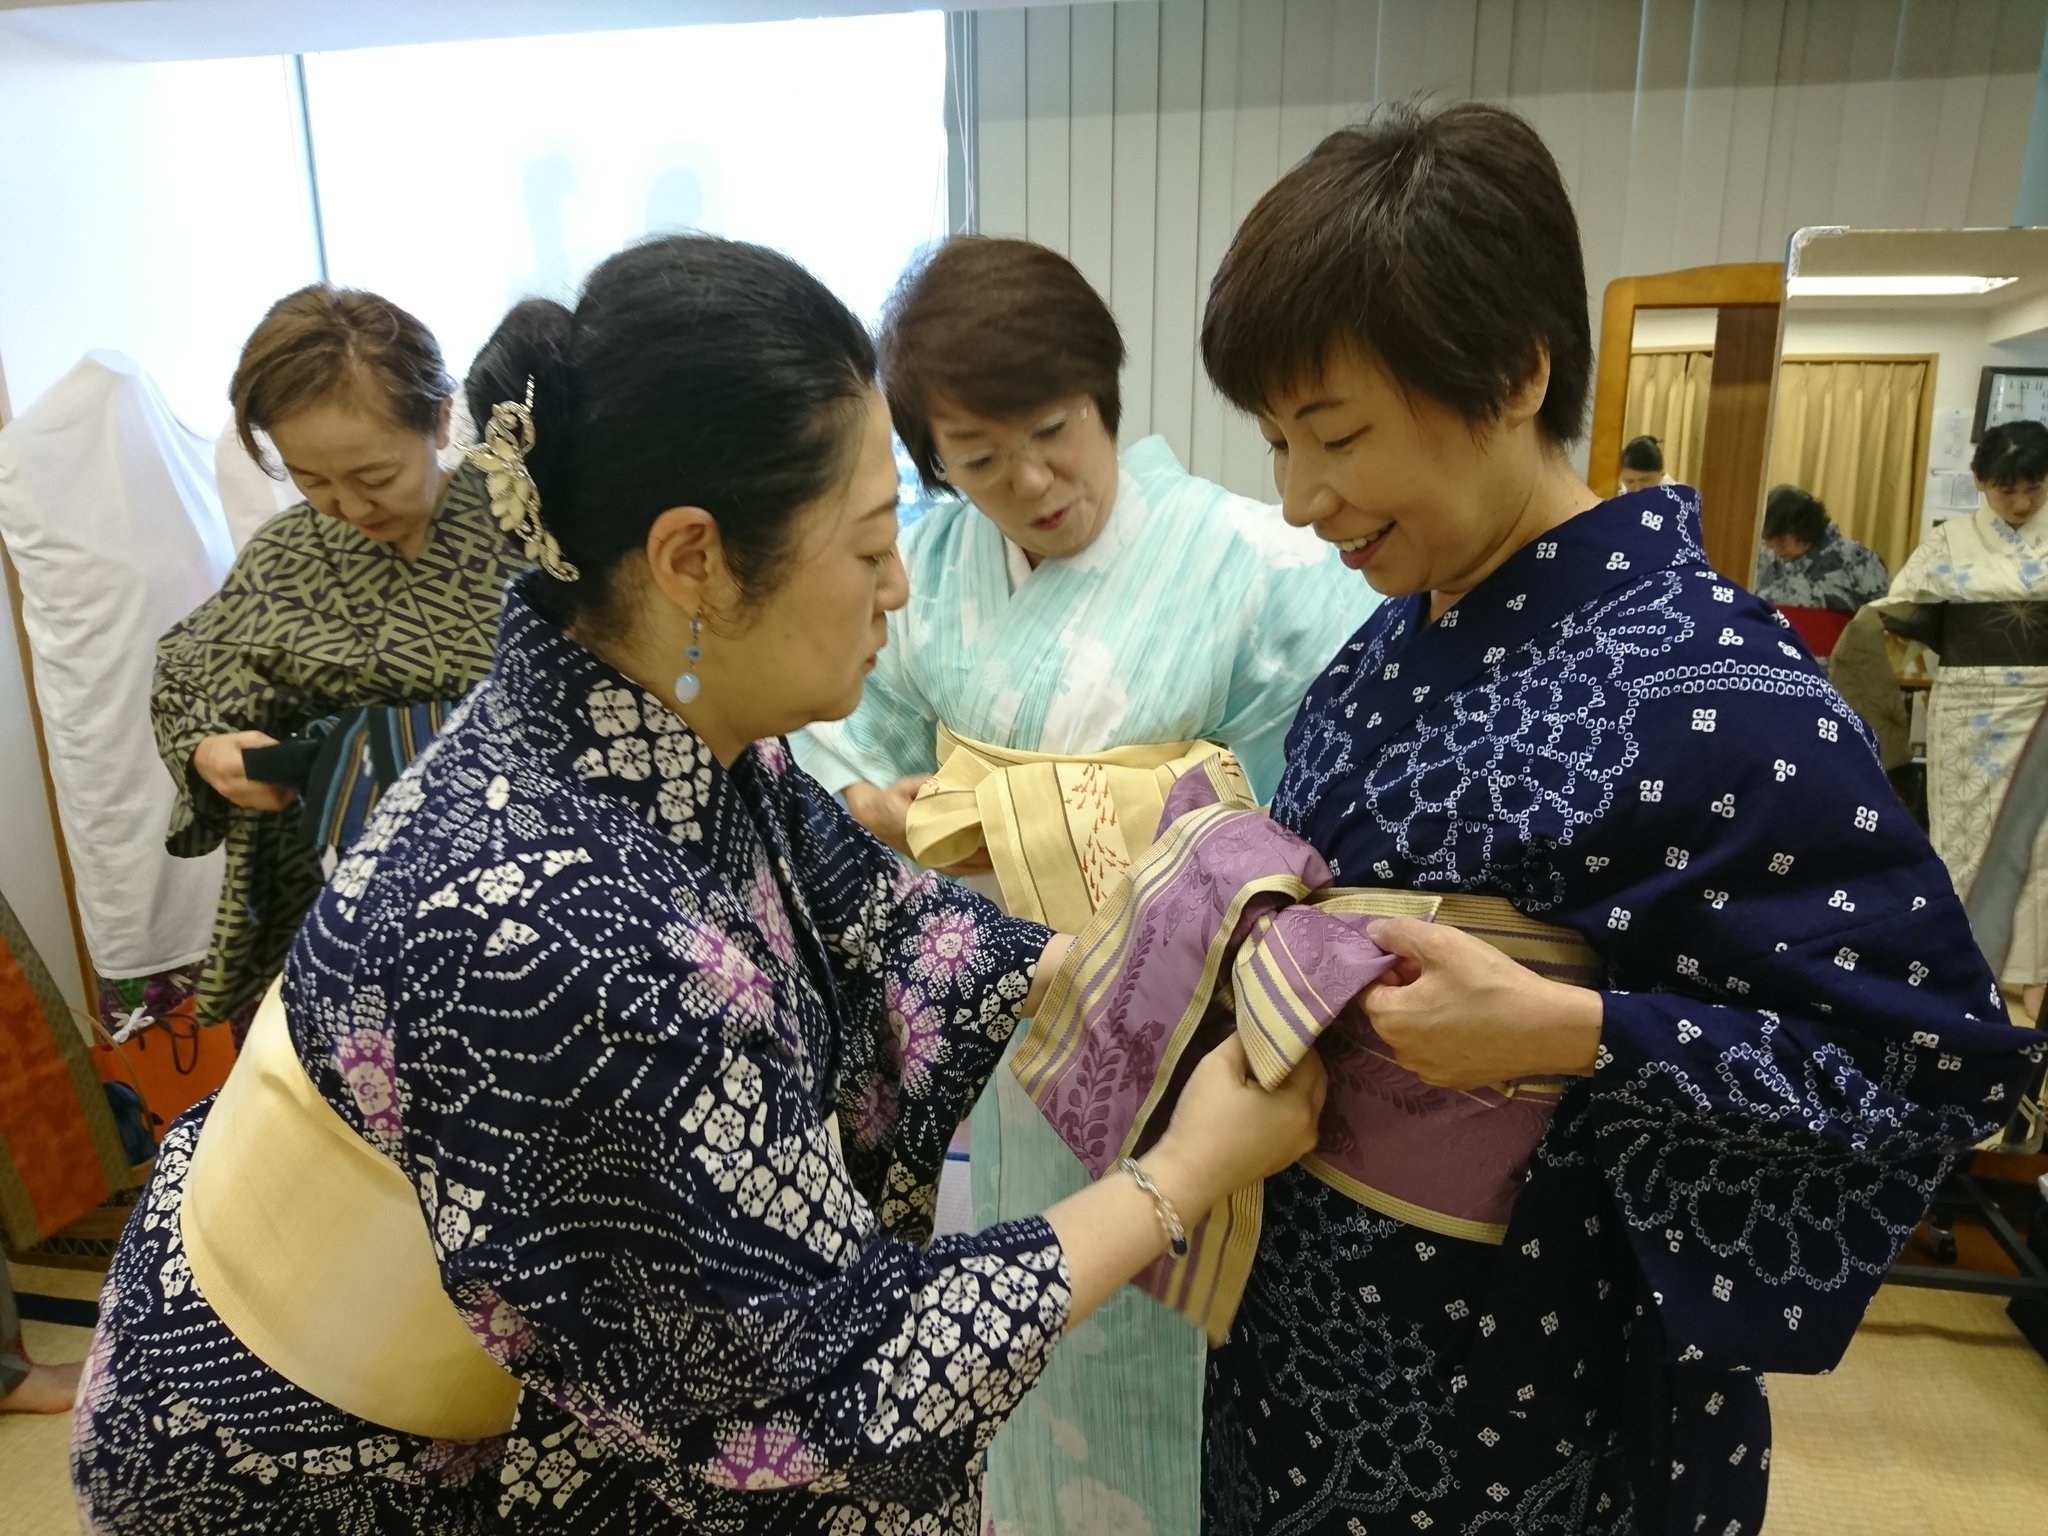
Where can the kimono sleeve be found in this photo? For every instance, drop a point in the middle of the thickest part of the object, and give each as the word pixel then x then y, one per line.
pixel 1801 1034
pixel 932 979
pixel 1298 616
pixel 1868 579
pixel 892 735
pixel 649 1224
pixel 237 662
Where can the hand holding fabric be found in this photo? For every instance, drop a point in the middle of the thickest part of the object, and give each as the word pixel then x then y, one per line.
pixel 218 760
pixel 1458 1013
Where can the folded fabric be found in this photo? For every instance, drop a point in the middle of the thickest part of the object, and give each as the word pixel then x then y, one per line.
pixel 1060 831
pixel 311 1247
pixel 1232 922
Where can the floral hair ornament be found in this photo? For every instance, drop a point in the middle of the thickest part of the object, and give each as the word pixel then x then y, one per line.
pixel 515 499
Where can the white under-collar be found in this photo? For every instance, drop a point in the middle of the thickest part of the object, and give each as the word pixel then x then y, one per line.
pixel 1016 564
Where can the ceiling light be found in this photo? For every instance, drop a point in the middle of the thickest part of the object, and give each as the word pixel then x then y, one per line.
pixel 1905 285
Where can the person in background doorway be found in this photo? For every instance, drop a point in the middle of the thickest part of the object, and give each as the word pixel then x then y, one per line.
pixel 1807 562
pixel 381 587
pixel 1642 464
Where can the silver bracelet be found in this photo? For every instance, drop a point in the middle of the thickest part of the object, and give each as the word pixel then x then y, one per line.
pixel 1169 1218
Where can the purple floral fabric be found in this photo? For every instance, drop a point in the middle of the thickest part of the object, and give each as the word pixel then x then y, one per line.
pixel 600 998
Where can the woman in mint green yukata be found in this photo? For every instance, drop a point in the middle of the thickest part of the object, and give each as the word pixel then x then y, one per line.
pixel 1080 625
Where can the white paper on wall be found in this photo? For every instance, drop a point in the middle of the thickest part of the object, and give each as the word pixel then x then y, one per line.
pixel 1950 491
pixel 108 507
pixel 1951 447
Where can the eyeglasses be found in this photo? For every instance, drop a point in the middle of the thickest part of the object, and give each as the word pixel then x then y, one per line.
pixel 984 468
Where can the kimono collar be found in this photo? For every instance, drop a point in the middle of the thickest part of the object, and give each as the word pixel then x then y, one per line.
pixel 589 723
pixel 1830 537
pixel 1418 665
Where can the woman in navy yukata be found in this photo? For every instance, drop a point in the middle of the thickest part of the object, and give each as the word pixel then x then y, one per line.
pixel 660 1047
pixel 1562 704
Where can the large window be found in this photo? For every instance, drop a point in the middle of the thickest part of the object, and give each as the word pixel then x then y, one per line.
pixel 458 178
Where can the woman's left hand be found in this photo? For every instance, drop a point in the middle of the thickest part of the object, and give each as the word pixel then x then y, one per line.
pixel 1460 1014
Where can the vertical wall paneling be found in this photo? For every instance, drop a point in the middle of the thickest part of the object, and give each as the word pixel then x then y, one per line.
pixel 1709 128
pixel 1261 57
pixel 1965 84
pixel 1135 135
pixel 1354 62
pixel 2008 106
pixel 1913 114
pixel 1135 216
pixel 1091 146
pixel 1179 280
pixel 998 198
pixel 1308 84
pixel 1048 127
pixel 1753 115
pixel 1492 38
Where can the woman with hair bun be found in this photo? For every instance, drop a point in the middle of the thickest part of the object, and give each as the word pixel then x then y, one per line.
pixel 579 1175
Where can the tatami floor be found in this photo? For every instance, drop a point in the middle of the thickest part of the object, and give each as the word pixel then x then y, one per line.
pixel 1936 1423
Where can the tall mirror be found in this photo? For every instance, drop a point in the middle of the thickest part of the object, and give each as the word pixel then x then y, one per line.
pixel 1902 534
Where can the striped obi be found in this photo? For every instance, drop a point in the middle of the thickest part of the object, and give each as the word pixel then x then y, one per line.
pixel 1230 921
pixel 1061 831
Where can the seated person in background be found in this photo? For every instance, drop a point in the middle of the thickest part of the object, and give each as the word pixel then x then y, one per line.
pixel 1807 562
pixel 1642 464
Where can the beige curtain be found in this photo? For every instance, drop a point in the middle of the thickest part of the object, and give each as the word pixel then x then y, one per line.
pixel 1851 432
pixel 1667 398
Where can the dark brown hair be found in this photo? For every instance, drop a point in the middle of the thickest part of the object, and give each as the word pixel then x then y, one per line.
pixel 323 343
pixel 999 327
pixel 1442 242
pixel 1800 513
pixel 1644 455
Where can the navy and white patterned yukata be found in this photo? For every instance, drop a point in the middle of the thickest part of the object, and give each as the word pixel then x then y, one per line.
pixel 1799 1036
pixel 598 996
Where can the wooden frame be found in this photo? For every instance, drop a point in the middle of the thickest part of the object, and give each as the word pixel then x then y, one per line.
pixel 1749 298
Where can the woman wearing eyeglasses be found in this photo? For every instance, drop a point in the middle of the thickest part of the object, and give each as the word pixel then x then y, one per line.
pixel 1082 626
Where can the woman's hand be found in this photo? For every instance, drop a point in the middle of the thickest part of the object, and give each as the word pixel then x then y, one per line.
pixel 218 760
pixel 884 811
pixel 1050 959
pixel 1458 1013
pixel 1228 1132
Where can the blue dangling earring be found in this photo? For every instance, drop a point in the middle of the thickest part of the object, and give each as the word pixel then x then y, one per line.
pixel 687 685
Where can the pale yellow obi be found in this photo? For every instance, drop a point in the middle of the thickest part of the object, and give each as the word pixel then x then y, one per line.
pixel 1060 831
pixel 310 1245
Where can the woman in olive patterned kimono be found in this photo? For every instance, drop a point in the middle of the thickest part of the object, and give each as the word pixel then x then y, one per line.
pixel 381 588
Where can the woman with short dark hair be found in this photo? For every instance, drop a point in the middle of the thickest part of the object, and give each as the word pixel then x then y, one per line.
pixel 579 1176
pixel 380 588
pixel 1081 622
pixel 1976 593
pixel 1561 710
pixel 1807 562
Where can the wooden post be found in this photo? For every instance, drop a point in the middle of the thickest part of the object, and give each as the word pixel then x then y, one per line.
pixel 1749 298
